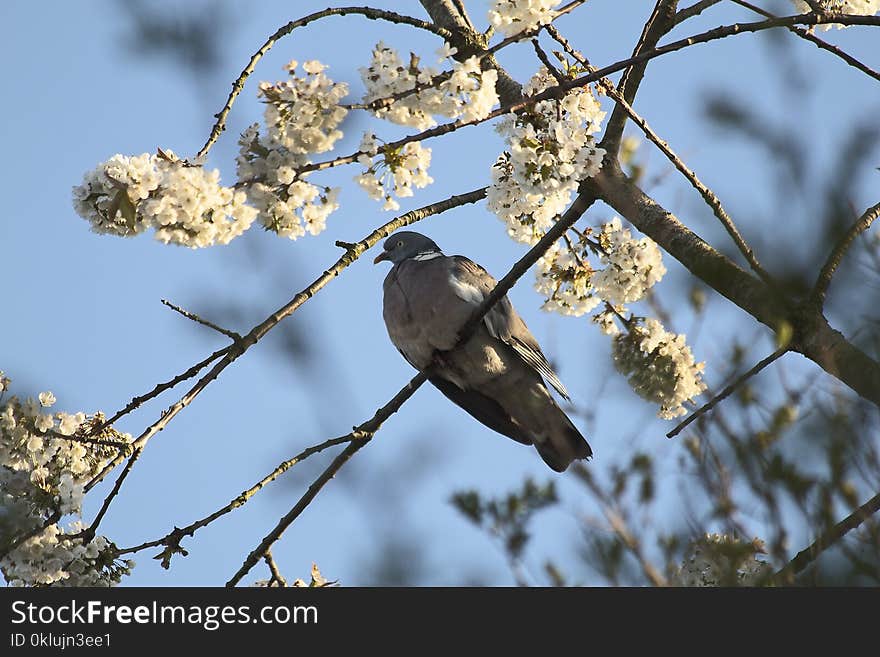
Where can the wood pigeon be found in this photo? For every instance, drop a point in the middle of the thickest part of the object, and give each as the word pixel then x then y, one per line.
pixel 496 376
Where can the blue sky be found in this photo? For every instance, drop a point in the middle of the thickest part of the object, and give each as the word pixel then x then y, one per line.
pixel 83 316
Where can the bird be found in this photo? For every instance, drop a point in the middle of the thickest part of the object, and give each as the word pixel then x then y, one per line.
pixel 498 375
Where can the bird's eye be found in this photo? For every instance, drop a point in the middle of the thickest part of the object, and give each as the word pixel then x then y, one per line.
pixel 400 243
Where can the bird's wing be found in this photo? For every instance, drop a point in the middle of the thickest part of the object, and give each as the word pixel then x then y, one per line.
pixel 472 283
pixel 483 408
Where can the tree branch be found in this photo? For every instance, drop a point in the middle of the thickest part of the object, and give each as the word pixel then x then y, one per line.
pixel 173 538
pixel 232 335
pixel 863 223
pixel 469 42
pixel 256 333
pixel 365 431
pixel 828 538
pixel 238 84
pixel 277 577
pixel 813 337
pixel 729 390
pixel 662 20
pixel 369 428
pixel 708 196
pixel 820 43
pixel 159 389
pixel 694 10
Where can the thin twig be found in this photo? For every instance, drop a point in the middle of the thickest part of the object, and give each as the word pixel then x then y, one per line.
pixel 729 390
pixel 277 577
pixel 174 537
pixel 828 538
pixel 863 223
pixel 657 25
pixel 570 7
pixel 708 195
pixel 160 388
pixel 809 36
pixel 559 90
pixel 366 431
pixel 238 84
pixel 86 440
pixel 89 533
pixel 618 524
pixel 232 335
pixel 694 10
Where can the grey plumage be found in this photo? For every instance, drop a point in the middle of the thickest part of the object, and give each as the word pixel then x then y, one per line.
pixel 496 376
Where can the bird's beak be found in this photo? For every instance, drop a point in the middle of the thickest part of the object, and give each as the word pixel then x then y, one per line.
pixel 382 256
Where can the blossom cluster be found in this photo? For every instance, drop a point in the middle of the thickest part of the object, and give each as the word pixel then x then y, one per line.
pixel 550 149
pixel 857 7
pixel 514 16
pixel 394 172
pixel 287 204
pixel 632 266
pixel 465 91
pixel 184 204
pixel 571 286
pixel 43 472
pixel 57 557
pixel 302 117
pixel 303 114
pixel 722 560
pixel 659 365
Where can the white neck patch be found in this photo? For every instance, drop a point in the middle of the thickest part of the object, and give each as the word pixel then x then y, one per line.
pixel 427 255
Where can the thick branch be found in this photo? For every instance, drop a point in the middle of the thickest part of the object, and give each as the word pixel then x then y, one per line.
pixel 708 195
pixel 469 42
pixel 662 20
pixel 813 337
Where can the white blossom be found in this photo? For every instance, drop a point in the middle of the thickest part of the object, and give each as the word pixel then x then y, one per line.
pixel 633 266
pixel 393 172
pixel 572 285
pixel 287 205
pixel 46 399
pixel 464 91
pixel 192 209
pixel 605 320
pixel 109 194
pixel 550 149
pixel 721 560
pixel 514 16
pixel 564 280
pixel 659 366
pixel 185 204
pixel 857 7
pixel 302 114
pixel 41 475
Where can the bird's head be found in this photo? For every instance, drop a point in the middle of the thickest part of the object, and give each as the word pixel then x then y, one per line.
pixel 405 245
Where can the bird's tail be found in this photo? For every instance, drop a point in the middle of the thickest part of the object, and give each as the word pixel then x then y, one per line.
pixel 563 444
